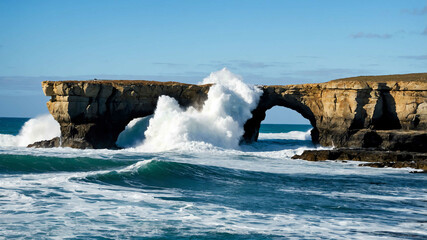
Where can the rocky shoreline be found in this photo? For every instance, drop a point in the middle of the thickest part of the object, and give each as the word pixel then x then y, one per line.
pixel 373 157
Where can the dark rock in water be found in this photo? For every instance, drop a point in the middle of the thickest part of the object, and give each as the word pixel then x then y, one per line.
pixel 384 112
pixel 55 142
pixel 376 158
pixel 391 140
pixel 75 143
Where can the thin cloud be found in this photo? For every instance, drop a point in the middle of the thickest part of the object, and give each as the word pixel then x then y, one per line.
pixel 415 11
pixel 424 32
pixel 329 71
pixel 251 64
pixel 326 74
pixel 242 64
pixel 214 64
pixel 370 65
pixel 370 35
pixel 21 86
pixel 167 64
pixel 416 57
pixel 311 57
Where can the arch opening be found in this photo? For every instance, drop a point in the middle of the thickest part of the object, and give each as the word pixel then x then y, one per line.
pixel 283 122
pixel 293 106
pixel 284 115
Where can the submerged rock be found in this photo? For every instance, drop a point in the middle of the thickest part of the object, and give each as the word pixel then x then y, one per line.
pixel 376 158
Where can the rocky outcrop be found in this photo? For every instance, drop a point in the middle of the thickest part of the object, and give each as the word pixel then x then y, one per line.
pixel 384 112
pixel 374 158
pixel 92 114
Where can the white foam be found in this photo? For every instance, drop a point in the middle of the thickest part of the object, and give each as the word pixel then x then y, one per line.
pixel 218 124
pixel 43 127
pixel 118 210
pixel 293 135
pixel 7 140
pixel 134 167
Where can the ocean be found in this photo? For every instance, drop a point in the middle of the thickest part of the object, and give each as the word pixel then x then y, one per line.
pixel 254 191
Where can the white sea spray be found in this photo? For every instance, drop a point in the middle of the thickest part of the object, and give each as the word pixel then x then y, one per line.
pixel 292 135
pixel 218 124
pixel 43 127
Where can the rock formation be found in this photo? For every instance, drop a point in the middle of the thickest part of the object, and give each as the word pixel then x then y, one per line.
pixel 374 158
pixel 383 112
pixel 93 113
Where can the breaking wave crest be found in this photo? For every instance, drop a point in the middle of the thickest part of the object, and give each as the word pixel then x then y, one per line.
pixel 168 174
pixel 43 127
pixel 10 163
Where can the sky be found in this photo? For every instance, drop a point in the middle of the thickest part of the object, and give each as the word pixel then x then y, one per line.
pixel 265 42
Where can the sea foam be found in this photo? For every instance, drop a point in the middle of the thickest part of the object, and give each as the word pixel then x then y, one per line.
pixel 43 127
pixel 293 135
pixel 218 124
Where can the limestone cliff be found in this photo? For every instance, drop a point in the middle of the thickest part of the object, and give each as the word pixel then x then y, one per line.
pixel 93 113
pixel 386 112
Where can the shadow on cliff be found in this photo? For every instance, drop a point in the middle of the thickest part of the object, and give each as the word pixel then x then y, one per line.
pixel 360 120
pixel 385 115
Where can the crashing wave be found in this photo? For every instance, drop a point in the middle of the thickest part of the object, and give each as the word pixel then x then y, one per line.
pixel 36 129
pixel 218 124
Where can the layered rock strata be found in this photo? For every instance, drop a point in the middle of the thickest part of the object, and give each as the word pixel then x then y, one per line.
pixel 383 112
pixel 92 114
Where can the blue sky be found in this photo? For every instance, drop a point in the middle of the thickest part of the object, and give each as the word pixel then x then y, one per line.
pixel 266 42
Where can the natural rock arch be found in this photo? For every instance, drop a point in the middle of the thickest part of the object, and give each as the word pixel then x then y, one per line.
pixel 277 96
pixel 344 113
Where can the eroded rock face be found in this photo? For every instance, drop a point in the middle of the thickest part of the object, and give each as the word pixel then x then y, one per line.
pixel 384 112
pixel 93 113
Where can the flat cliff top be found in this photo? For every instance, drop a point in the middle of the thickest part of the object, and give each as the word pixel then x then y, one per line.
pixel 413 81
pixel 418 77
pixel 120 82
pixel 400 82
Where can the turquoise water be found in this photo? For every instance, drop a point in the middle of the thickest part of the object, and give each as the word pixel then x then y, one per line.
pixel 254 192
pixel 11 125
pixel 278 128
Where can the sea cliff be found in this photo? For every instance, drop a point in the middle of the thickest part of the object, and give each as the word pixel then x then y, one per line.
pixel 380 112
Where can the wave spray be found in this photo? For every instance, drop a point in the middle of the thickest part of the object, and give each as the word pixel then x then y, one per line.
pixel 43 127
pixel 218 124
